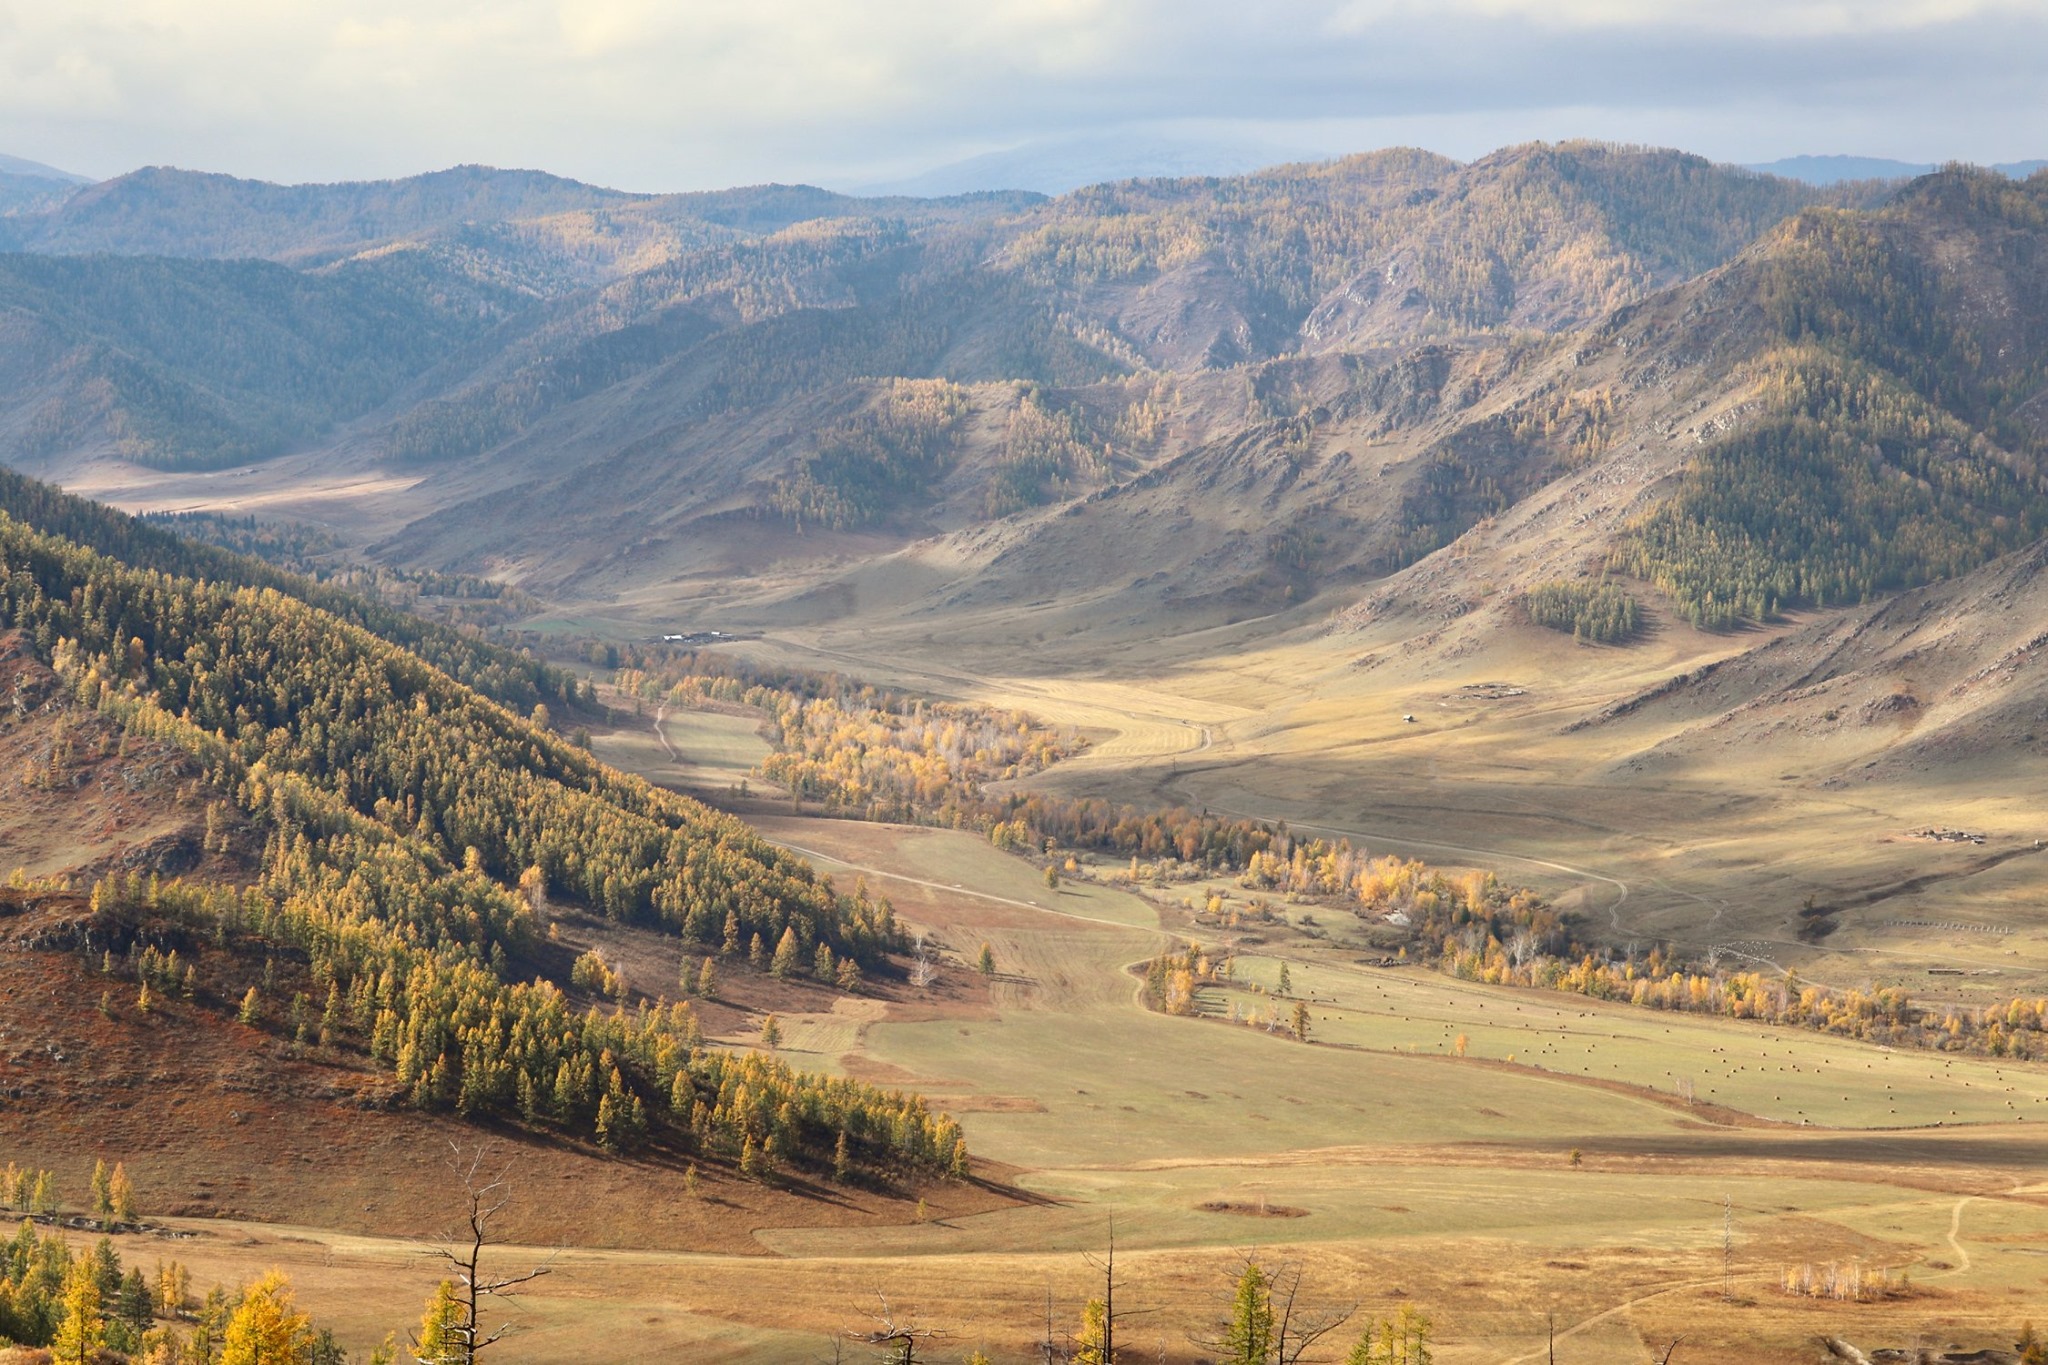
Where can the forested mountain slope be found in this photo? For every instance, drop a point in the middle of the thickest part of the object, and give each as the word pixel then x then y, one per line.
pixel 1149 288
pixel 1811 422
pixel 412 832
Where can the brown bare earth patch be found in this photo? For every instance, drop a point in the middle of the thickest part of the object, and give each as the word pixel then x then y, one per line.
pixel 993 1104
pixel 1259 1210
pixel 82 798
pixel 220 1120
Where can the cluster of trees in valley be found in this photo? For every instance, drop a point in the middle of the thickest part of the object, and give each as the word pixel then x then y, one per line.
pixel 1474 927
pixel 867 753
pixel 856 749
pixel 1601 612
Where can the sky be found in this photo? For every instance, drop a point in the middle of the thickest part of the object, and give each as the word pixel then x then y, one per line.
pixel 697 94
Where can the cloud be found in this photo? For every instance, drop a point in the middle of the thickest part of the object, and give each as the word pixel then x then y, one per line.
pixel 680 93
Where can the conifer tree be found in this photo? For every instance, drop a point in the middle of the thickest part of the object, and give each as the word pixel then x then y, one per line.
pixel 1091 1344
pixel 750 1159
pixel 788 954
pixel 121 1194
pixel 1394 1341
pixel 173 1282
pixel 134 1306
pixel 771 1033
pixel 267 1329
pixel 986 962
pixel 43 1195
pixel 252 1007
pixel 1249 1338
pixel 102 1192
pixel 440 1341
pixel 707 980
pixel 80 1329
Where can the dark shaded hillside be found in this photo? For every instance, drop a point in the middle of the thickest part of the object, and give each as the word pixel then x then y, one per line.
pixel 200 364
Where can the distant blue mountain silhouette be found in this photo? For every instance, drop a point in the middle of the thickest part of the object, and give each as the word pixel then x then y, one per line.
pixel 36 170
pixel 1829 170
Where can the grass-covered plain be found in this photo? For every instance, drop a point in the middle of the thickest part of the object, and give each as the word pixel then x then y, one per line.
pixel 1554 1169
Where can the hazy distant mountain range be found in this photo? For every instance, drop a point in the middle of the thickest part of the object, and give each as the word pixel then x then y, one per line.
pixel 1056 166
pixel 1384 355
pixel 1832 170
pixel 36 170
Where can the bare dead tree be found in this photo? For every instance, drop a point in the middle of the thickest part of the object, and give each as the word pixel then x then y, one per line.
pixel 1296 1325
pixel 923 968
pixel 1106 1265
pixel 1297 1328
pixel 1666 1358
pixel 900 1342
pixel 483 1198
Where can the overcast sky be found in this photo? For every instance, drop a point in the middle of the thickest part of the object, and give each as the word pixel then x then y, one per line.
pixel 689 94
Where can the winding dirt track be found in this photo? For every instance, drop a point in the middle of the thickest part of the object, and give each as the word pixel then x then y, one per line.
pixel 952 888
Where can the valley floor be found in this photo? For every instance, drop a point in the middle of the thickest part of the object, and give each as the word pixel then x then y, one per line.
pixel 1552 1175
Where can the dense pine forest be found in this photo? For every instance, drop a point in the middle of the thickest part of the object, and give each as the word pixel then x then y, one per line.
pixel 507 676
